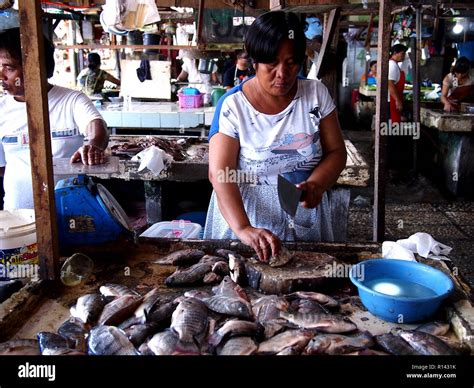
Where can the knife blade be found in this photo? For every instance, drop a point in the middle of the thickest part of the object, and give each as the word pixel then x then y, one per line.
pixel 288 195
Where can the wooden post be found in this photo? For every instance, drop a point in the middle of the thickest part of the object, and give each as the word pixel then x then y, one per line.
pixel 381 116
pixel 417 80
pixel 200 21
pixel 36 92
pixel 367 47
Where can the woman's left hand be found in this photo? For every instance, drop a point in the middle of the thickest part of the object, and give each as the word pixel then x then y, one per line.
pixel 313 193
pixel 89 155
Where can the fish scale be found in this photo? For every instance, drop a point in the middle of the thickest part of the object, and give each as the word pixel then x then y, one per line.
pixel 189 320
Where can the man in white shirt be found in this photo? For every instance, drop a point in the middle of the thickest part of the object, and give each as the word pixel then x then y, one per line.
pixel 396 82
pixel 72 117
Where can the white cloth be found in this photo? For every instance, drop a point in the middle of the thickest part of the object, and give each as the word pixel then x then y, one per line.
pixel 70 112
pixel 154 159
pixel 198 80
pixel 393 73
pixel 421 243
pixel 287 142
pixel 312 70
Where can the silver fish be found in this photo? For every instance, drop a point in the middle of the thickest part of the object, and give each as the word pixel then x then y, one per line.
pixel 395 345
pixel 119 309
pixel 322 299
pixel 427 344
pixel 233 328
pixel 290 351
pixel 116 290
pixel 88 308
pixel 190 320
pixel 109 341
pixel 75 331
pixel 62 352
pixel 182 257
pixel 163 343
pixel 238 346
pixel 149 300
pixel 283 340
pixel 229 288
pixel 52 341
pixel 323 322
pixel 338 344
pixel 237 268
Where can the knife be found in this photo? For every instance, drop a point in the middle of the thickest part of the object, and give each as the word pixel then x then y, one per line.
pixel 288 195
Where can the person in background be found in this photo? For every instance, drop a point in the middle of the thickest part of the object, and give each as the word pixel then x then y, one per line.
pixel 190 72
pixel 458 85
pixel 239 72
pixel 313 46
pixel 272 124
pixel 91 79
pixel 396 82
pixel 371 76
pixel 72 117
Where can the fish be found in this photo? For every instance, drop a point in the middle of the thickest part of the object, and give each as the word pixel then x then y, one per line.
pixel 307 306
pixel 164 343
pixel 191 275
pixel 228 287
pixel 427 344
pixel 221 268
pixel 190 321
pixel 238 346
pixel 116 290
pixel 210 259
pixel 109 341
pixel 144 350
pixel 368 352
pixel 434 328
pixel 48 340
pixel 181 257
pixel 339 344
pixel 290 351
pixel 234 306
pixel 149 300
pixel 395 345
pixel 119 309
pixel 283 340
pixel 137 334
pixel 237 268
pixel 322 299
pixel 76 332
pixel 283 258
pixel 211 278
pixel 326 323
pixel 162 314
pixel 235 327
pixel 62 352
pixel 88 308
pixel 20 347
pixel 226 253
pixel 266 310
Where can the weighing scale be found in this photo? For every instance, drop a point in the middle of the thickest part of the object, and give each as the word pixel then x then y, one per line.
pixel 87 213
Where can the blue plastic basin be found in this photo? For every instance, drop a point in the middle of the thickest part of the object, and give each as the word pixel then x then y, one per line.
pixel 402 305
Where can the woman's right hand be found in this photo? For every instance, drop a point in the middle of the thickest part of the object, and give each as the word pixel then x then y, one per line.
pixel 263 242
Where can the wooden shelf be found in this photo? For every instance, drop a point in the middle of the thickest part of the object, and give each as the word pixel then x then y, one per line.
pixel 207 46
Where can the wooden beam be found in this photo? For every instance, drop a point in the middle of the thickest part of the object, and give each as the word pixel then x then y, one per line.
pixel 329 30
pixel 381 116
pixel 417 79
pixel 200 18
pixel 36 93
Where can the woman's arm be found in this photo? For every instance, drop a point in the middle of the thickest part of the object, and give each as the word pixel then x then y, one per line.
pixel 183 76
pixel 332 162
pixel 448 107
pixel 111 78
pixel 223 154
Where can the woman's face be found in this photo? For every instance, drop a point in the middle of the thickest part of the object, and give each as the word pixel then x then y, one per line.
pixel 461 76
pixel 278 78
pixel 373 68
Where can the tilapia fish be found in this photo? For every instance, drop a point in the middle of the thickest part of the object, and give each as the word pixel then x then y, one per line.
pixel 427 344
pixel 88 308
pixel 434 328
pixel 190 275
pixel 281 341
pixel 52 341
pixel 182 257
pixel 116 290
pixel 149 300
pixel 235 327
pixel 238 346
pixel 322 322
pixel 75 331
pixel 164 343
pixel 229 288
pixel 339 344
pixel 237 268
pixel 322 299
pixel 190 320
pixel 211 278
pixel 234 306
pixel 109 341
pixel 395 345
pixel 226 253
pixel 283 258
pixel 119 309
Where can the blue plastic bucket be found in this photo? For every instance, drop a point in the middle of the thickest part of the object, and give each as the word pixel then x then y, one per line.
pixel 397 306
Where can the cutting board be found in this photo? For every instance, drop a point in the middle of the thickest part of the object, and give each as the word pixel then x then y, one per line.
pixel 307 271
pixel 62 166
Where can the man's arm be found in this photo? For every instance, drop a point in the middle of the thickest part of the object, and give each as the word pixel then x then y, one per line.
pixel 111 78
pixel 94 151
pixel 394 94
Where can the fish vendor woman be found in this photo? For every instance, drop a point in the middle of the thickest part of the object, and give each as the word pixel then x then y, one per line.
pixel 274 124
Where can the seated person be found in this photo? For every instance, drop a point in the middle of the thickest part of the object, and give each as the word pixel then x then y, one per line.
pixel 371 77
pixel 91 79
pixel 239 72
pixel 458 85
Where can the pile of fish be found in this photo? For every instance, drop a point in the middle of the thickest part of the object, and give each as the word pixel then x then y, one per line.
pixel 224 320
pixel 170 146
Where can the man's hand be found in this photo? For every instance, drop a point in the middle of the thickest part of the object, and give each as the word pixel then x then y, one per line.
pixel 263 242
pixel 89 155
pixel 399 105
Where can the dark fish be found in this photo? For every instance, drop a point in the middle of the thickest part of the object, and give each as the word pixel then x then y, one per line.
pixel 434 328
pixel 233 306
pixel 395 345
pixel 149 300
pixel 237 268
pixel 221 268
pixel 76 332
pixel 284 340
pixel 20 347
pixel 326 323
pixel 109 341
pixel 427 344
pixel 137 334
pixel 62 352
pixel 234 328
pixel 210 259
pixel 226 253
pixel 52 341
pixel 229 288
pixel 290 351
pixel 339 344
pixel 211 278
pixel 144 350
pixel 162 315
pixel 283 258
pixel 182 257
pixel 191 275
pixel 88 308
pixel 119 309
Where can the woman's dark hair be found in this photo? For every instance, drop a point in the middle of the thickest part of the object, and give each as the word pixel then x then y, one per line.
pixel 93 60
pixel 268 31
pixel 461 66
pixel 10 42
pixel 398 48
pixel 372 63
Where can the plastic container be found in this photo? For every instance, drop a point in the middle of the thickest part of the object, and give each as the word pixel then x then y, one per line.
pixel 196 217
pixel 173 229
pixel 76 269
pixel 391 300
pixel 18 249
pixel 187 101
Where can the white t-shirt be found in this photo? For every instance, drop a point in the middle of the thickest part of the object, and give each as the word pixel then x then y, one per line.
pixel 393 73
pixel 285 143
pixel 203 81
pixel 70 112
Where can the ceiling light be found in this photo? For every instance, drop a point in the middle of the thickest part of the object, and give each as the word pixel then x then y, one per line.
pixel 458 27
